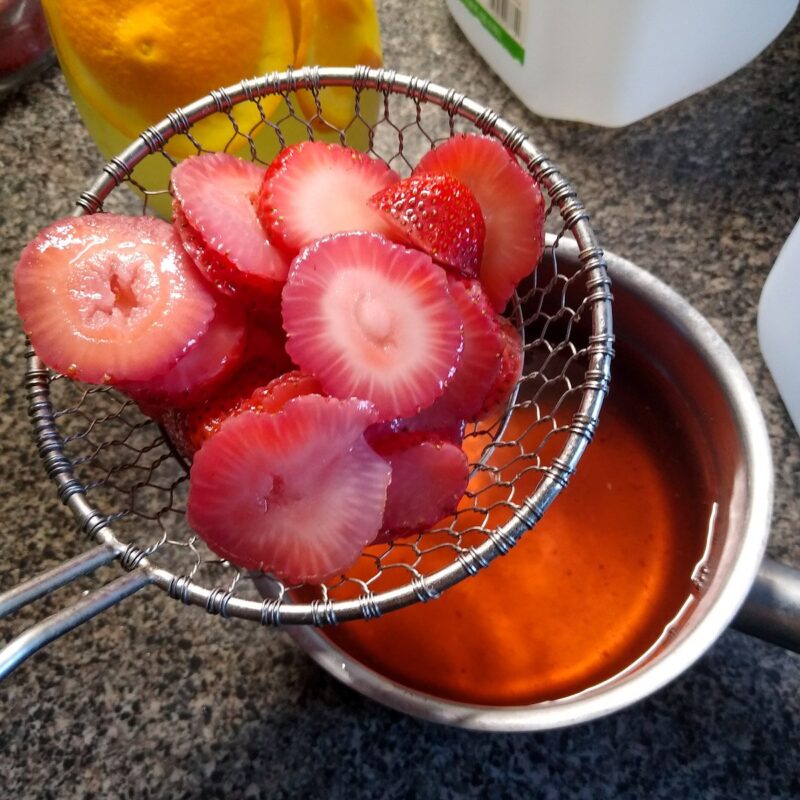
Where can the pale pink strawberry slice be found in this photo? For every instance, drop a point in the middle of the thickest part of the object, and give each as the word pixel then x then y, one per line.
pixel 511 202
pixel 429 477
pixel 208 363
pixel 510 371
pixel 274 396
pixel 107 298
pixel 264 360
pixel 213 196
pixel 315 189
pixel 374 320
pixel 188 428
pixel 465 394
pixel 440 216
pixel 298 493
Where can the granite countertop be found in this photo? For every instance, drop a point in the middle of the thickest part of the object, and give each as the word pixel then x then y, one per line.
pixel 157 700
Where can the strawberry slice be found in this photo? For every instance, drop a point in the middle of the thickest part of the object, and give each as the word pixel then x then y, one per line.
pixel 438 215
pixel 264 360
pixel 206 365
pixel 265 353
pixel 298 493
pixel 315 189
pixel 189 428
pixel 277 393
pixel 107 298
pixel 464 397
pixel 510 371
pixel 511 202
pixel 429 477
pixel 213 210
pixel 374 320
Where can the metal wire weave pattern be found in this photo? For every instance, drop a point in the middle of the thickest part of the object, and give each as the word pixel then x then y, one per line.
pixel 125 486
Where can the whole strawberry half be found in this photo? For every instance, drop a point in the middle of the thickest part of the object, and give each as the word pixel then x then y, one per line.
pixel 439 215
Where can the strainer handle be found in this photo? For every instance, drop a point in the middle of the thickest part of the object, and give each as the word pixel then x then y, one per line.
pixel 772 609
pixel 42 633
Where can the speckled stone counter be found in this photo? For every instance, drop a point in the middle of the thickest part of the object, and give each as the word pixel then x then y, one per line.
pixel 157 700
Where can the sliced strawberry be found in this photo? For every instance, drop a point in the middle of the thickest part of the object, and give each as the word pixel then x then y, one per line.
pixel 208 363
pixel 429 477
pixel 257 385
pixel 451 429
pixel 438 215
pixel 213 209
pixel 298 493
pixel 373 320
pixel 187 428
pixel 464 396
pixel 266 348
pixel 316 189
pixel 107 298
pixel 511 202
pixel 274 396
pixel 511 363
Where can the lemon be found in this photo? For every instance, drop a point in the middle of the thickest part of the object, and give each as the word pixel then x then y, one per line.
pixel 137 60
pixel 335 33
pixel 130 62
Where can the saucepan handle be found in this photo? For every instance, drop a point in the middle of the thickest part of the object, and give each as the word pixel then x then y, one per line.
pixel 772 609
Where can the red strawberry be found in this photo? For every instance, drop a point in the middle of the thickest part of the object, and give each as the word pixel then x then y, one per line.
pixel 108 299
pixel 429 477
pixel 510 371
pixel 214 215
pixel 373 320
pixel 298 493
pixel 464 396
pixel 274 396
pixel 439 215
pixel 207 364
pixel 511 202
pixel 258 385
pixel 189 428
pixel 316 189
pixel 266 348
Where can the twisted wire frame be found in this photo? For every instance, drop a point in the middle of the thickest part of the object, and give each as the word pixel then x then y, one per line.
pixel 126 487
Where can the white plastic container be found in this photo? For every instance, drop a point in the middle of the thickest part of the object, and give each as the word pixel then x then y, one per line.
pixel 612 62
pixel 779 324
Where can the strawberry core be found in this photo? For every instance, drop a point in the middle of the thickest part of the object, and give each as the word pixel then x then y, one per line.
pixel 124 296
pixel 374 319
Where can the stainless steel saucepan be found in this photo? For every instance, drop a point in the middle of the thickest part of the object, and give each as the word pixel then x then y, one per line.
pixel 684 346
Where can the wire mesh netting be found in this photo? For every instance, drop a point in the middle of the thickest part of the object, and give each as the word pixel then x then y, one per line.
pixel 125 467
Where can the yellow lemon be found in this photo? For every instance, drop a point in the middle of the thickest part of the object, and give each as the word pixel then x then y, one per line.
pixel 131 62
pixel 136 60
pixel 335 33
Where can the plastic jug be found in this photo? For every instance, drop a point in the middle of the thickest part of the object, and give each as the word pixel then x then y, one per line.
pixel 779 324
pixel 612 62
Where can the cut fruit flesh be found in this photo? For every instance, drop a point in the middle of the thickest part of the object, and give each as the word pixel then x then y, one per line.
pixel 107 298
pixel 373 320
pixel 429 477
pixel 214 214
pixel 206 365
pixel 319 189
pixel 511 202
pixel 298 493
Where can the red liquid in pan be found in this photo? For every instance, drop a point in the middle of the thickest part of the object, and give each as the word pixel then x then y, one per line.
pixel 584 594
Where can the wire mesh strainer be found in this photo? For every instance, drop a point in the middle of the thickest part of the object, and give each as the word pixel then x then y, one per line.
pixel 126 487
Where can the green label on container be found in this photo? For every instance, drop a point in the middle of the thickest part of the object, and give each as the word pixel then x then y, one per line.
pixel 505 20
